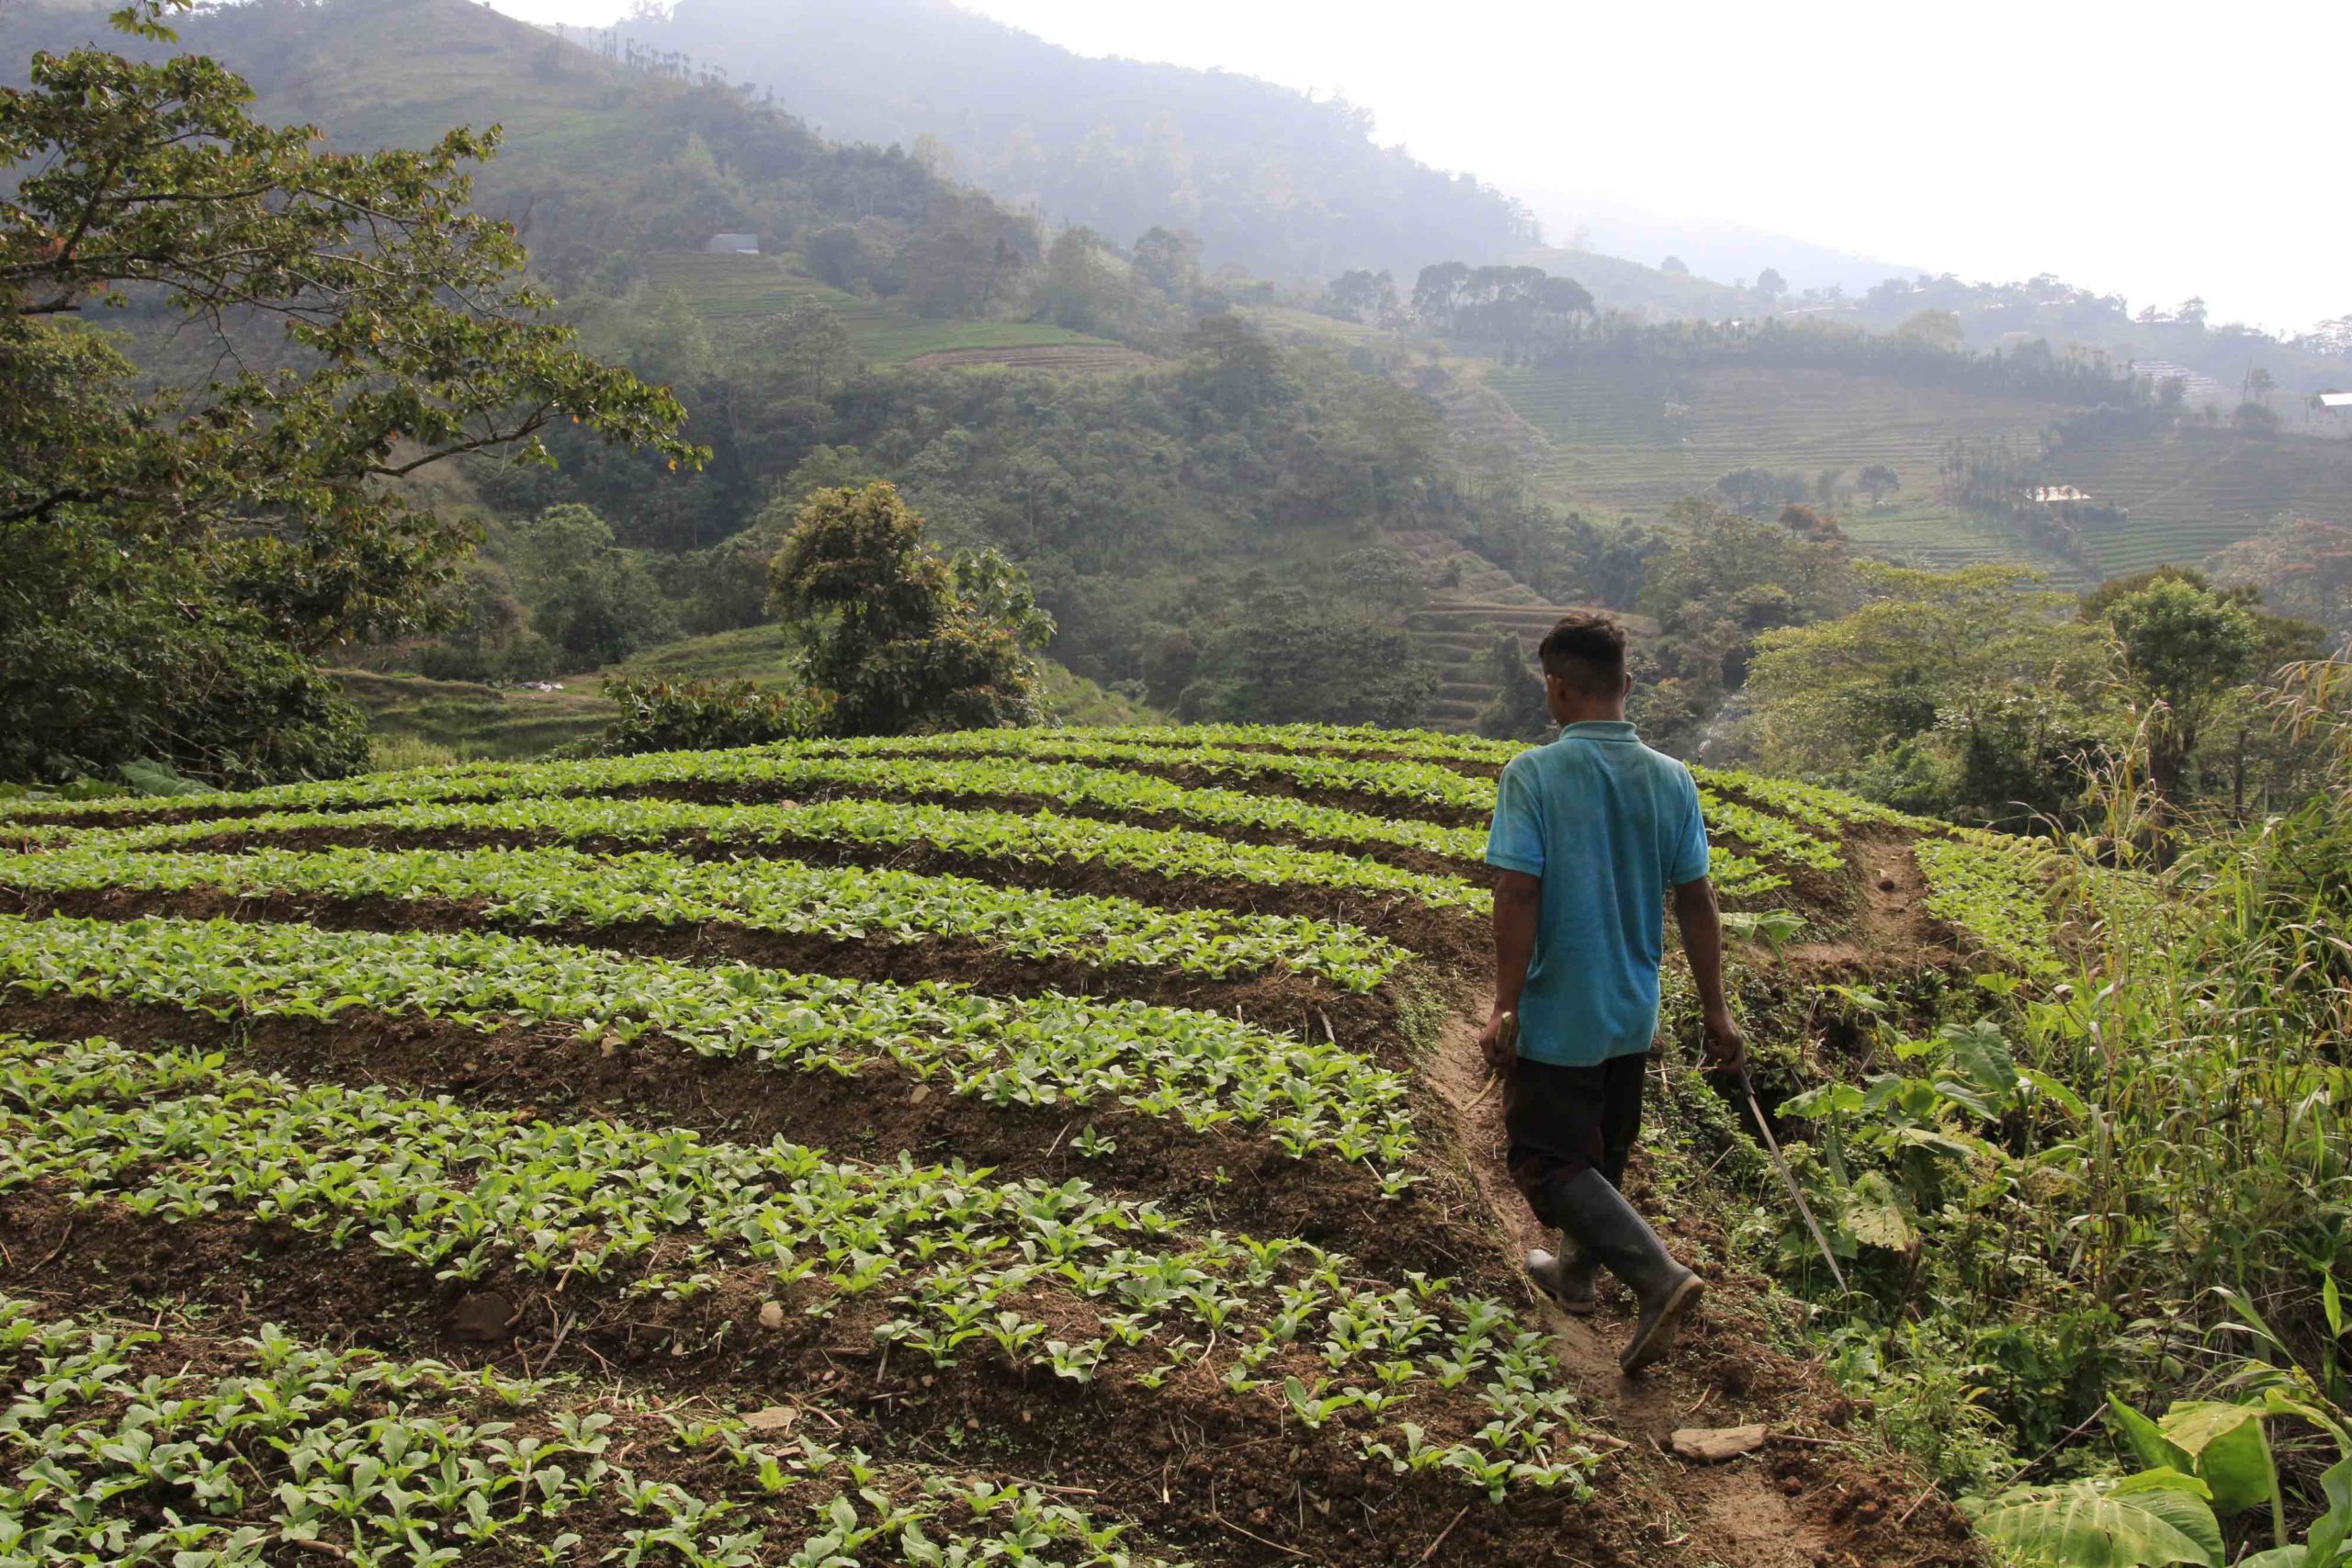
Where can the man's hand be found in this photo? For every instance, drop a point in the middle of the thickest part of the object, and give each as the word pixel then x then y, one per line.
pixel 1499 1042
pixel 1727 1047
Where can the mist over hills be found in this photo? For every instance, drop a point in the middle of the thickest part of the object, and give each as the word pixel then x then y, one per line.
pixel 1285 184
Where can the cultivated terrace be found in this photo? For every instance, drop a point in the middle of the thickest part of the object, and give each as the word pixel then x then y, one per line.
pixel 1024 1147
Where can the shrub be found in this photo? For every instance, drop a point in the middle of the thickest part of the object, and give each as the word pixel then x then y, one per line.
pixel 706 715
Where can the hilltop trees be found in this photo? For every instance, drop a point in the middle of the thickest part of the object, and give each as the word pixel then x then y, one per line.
pixel 1523 307
pixel 180 548
pixel 899 638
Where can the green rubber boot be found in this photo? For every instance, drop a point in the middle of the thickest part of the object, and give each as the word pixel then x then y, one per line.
pixel 1607 1228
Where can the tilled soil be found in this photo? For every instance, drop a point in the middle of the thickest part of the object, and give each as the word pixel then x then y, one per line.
pixel 1282 1001
pixel 1228 1480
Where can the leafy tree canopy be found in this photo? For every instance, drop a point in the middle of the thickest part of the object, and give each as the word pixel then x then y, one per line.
pixel 181 547
pixel 899 638
pixel 1962 692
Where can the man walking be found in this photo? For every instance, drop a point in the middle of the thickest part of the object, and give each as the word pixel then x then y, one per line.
pixel 1591 836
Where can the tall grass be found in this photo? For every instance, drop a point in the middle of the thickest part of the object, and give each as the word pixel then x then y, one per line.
pixel 2161 1213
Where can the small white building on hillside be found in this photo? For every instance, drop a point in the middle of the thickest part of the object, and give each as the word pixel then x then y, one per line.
pixel 733 245
pixel 2051 495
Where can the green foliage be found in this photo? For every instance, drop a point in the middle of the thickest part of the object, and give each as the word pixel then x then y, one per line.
pixel 704 716
pixel 346 1453
pixel 1723 581
pixel 1993 696
pixel 1290 659
pixel 173 1135
pixel 1050 1050
pixel 550 885
pixel 595 604
pixel 250 513
pixel 2183 647
pixel 2146 1522
pixel 900 637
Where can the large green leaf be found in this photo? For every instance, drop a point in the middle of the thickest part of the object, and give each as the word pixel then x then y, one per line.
pixel 2331 1535
pixel 2230 1452
pixel 1978 1053
pixel 2147 1441
pixel 2150 1521
pixel 1875 1214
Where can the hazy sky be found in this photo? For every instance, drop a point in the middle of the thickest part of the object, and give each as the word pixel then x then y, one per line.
pixel 2128 148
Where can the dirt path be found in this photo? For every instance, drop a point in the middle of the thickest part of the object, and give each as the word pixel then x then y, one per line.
pixel 1790 1505
pixel 1894 929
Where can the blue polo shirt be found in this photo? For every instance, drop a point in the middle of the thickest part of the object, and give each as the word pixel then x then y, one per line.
pixel 1609 825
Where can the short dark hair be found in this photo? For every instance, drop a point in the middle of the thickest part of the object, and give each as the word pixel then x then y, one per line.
pixel 1587 650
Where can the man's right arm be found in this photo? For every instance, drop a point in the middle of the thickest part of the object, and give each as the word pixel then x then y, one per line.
pixel 1518 899
pixel 1515 849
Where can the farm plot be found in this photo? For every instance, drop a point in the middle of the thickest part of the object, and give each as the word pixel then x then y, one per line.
pixel 796 1154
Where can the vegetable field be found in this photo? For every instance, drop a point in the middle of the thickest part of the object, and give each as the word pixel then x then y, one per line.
pixel 1018 1147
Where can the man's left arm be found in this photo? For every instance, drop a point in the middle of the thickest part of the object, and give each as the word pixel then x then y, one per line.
pixel 1701 920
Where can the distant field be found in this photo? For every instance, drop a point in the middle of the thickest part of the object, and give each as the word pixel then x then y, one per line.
pixel 469 721
pixel 1923 533
pixel 1621 442
pixel 2191 492
pixel 734 287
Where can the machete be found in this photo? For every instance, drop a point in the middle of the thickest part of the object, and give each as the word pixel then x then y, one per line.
pixel 1772 1146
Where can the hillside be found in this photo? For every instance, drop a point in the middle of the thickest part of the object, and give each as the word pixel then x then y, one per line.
pixel 616 175
pixel 2188 492
pixel 1284 185
pixel 666 1050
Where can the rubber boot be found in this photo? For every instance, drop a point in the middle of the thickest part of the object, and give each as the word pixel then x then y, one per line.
pixel 1566 1278
pixel 1596 1215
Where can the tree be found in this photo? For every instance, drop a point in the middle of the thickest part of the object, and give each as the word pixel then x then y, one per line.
pixel 1519 711
pixel 900 639
pixel 1771 284
pixel 1955 693
pixel 1937 329
pixel 1675 266
pixel 594 603
pixel 1292 659
pixel 1169 260
pixel 1365 298
pixel 1878 481
pixel 2182 647
pixel 1437 291
pixel 181 553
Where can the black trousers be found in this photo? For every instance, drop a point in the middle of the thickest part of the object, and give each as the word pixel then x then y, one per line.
pixel 1565 1120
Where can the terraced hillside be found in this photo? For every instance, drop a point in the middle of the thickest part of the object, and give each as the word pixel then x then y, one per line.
pixel 2191 492
pixel 1470 601
pixel 1045 1147
pixel 733 288
pixel 1637 436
